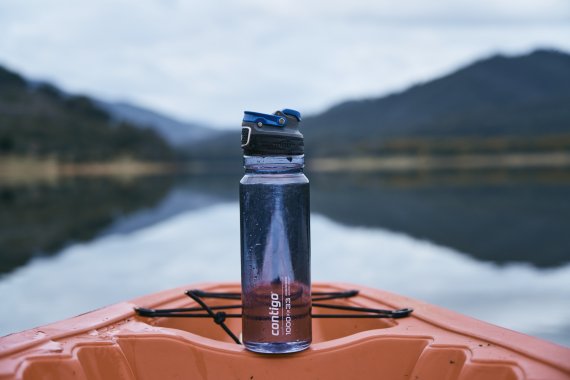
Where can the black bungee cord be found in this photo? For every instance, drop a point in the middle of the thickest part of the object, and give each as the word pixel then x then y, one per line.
pixel 219 317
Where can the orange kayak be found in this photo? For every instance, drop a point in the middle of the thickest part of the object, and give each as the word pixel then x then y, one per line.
pixel 432 343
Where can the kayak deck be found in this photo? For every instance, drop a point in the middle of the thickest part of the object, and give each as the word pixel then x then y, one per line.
pixel 432 343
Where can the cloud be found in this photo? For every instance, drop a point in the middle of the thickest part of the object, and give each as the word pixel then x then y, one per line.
pixel 210 60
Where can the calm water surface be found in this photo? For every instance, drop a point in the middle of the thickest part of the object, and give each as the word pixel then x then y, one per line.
pixel 491 245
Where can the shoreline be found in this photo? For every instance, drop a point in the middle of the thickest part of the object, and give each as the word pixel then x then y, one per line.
pixel 22 170
pixel 461 162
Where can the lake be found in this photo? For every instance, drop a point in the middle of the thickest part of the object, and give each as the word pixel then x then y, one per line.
pixel 492 244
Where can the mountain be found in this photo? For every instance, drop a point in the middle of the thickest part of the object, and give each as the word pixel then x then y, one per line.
pixel 177 133
pixel 497 104
pixel 501 103
pixel 39 119
pixel 521 96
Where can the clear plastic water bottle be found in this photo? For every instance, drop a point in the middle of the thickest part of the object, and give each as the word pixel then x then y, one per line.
pixel 275 235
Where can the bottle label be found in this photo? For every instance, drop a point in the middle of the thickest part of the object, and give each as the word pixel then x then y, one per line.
pixel 280 311
pixel 274 314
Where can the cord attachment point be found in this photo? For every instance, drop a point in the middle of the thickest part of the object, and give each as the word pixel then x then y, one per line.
pixel 401 313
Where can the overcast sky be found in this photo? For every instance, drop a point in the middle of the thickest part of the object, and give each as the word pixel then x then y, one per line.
pixel 210 60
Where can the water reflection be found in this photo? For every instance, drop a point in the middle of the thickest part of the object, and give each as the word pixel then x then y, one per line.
pixel 127 238
pixel 493 216
pixel 503 217
pixel 41 219
pixel 203 245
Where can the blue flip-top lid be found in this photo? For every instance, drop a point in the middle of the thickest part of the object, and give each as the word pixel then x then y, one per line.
pixel 272 134
pixel 271 119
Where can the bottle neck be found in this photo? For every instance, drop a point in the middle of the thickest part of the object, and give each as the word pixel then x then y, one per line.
pixel 273 164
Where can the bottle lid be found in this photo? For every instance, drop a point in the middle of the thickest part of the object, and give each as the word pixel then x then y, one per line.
pixel 274 134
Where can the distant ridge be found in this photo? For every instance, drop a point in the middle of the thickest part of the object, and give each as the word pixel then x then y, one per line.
pixel 177 133
pixel 494 105
pixel 39 120
pixel 497 104
pixel 526 95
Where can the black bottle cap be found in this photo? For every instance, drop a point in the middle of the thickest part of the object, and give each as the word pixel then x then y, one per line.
pixel 272 135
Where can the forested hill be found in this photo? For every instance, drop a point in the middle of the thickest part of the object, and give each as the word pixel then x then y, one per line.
pixel 519 103
pixel 498 104
pixel 522 96
pixel 40 120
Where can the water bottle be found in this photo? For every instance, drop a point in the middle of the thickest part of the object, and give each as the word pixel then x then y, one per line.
pixel 275 235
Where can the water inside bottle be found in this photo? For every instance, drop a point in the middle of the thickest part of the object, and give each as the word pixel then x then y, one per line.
pixel 276 291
